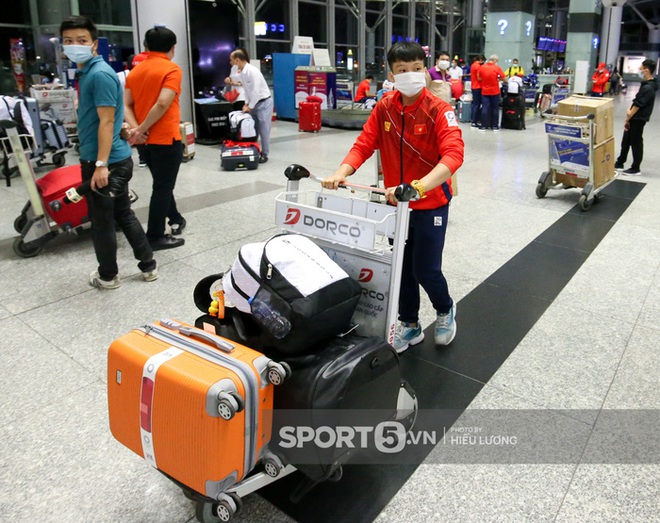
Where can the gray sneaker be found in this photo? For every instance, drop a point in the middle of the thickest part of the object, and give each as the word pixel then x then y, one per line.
pixel 96 281
pixel 150 275
pixel 445 327
pixel 407 335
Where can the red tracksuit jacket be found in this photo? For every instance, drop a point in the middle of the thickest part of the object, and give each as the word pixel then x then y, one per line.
pixel 425 134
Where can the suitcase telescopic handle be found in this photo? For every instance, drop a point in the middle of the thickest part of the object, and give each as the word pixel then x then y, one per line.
pixel 191 332
pixel 403 193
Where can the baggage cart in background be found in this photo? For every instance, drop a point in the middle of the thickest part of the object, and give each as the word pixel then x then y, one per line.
pixel 575 160
pixel 188 140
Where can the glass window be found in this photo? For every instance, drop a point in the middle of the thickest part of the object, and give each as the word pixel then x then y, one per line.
pixel 109 12
pixel 272 21
pixel 312 21
pixel 53 11
pixel 16 12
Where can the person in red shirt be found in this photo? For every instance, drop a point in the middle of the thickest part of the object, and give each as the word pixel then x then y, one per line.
pixel 420 144
pixel 489 75
pixel 599 79
pixel 362 93
pixel 476 89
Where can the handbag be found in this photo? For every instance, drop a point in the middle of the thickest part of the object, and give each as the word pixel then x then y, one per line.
pixel 230 95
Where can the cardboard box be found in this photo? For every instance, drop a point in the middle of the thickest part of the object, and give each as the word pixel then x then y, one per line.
pixel 57 103
pixel 602 108
pixel 574 170
pixel 188 139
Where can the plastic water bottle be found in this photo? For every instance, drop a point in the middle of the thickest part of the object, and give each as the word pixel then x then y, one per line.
pixel 277 325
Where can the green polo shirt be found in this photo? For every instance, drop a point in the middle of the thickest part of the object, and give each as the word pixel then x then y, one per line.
pixel 99 86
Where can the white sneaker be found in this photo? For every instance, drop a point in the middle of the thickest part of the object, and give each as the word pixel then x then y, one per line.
pixel 406 335
pixel 445 327
pixel 150 275
pixel 96 281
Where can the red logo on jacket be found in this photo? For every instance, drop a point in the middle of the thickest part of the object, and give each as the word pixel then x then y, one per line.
pixel 292 216
pixel 420 128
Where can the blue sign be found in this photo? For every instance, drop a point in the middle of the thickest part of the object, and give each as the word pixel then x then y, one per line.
pixel 563 130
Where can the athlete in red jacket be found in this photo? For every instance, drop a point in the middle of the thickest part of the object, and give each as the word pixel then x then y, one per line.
pixel 490 75
pixel 599 80
pixel 420 144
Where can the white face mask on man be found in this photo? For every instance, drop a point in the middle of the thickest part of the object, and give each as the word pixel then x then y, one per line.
pixel 410 84
pixel 443 64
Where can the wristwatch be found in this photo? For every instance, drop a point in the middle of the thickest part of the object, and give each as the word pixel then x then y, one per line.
pixel 99 163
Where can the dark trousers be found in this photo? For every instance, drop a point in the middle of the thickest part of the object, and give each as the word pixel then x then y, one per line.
pixel 476 106
pixel 633 139
pixel 103 213
pixel 422 263
pixel 490 116
pixel 163 162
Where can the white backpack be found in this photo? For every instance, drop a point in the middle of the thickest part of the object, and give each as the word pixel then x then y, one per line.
pixel 293 290
pixel 242 126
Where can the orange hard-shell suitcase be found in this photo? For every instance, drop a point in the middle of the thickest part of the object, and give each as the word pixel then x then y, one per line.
pixel 196 406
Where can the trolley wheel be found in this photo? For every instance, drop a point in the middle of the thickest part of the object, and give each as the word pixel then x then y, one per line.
pixel 541 190
pixel 19 223
pixel 23 251
pixel 214 513
pixel 59 160
pixel 188 493
pixel 277 373
pixel 585 204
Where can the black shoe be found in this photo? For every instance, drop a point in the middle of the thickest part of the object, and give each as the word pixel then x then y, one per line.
pixel 166 242
pixel 263 159
pixel 618 165
pixel 177 228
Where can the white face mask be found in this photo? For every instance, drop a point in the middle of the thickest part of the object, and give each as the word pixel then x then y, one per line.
pixel 79 54
pixel 443 64
pixel 410 84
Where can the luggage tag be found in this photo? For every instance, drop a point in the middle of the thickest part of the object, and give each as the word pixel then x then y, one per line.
pixel 217 307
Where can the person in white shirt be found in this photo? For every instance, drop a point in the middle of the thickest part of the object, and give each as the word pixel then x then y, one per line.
pixel 234 80
pixel 258 101
pixel 454 71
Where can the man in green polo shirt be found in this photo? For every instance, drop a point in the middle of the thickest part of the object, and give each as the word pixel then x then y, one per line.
pixel 103 153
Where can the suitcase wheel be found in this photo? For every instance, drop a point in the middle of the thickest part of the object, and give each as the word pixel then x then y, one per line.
pixel 222 511
pixel 229 403
pixel 278 372
pixel 273 466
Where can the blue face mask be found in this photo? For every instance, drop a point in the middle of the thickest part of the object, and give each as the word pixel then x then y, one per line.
pixel 79 54
pixel 640 74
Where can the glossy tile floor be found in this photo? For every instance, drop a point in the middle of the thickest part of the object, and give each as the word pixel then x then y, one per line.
pixel 592 342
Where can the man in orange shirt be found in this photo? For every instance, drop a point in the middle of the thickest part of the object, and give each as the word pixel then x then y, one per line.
pixel 476 89
pixel 490 74
pixel 151 100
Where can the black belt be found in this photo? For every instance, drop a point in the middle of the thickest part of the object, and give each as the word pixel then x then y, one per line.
pixel 262 100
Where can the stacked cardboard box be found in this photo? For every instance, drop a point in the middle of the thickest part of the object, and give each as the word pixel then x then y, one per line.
pixel 603 154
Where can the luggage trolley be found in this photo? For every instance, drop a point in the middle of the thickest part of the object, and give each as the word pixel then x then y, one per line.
pixel 364 237
pixel 35 223
pixel 572 159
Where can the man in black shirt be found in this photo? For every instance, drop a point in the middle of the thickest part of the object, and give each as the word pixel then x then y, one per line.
pixel 636 118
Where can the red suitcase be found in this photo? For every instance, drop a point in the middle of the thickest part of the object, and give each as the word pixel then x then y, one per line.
pixel 53 187
pixel 309 119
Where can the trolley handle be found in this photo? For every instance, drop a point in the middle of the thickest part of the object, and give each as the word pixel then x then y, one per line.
pixel 584 118
pixel 403 193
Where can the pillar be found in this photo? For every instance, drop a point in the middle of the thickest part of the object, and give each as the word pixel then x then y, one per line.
pixel 610 34
pixel 173 14
pixel 510 32
pixel 583 38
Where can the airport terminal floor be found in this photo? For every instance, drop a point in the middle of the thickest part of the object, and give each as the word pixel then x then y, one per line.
pixel 558 313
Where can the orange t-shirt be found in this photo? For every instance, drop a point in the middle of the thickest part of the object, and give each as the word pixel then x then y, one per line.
pixel 145 82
